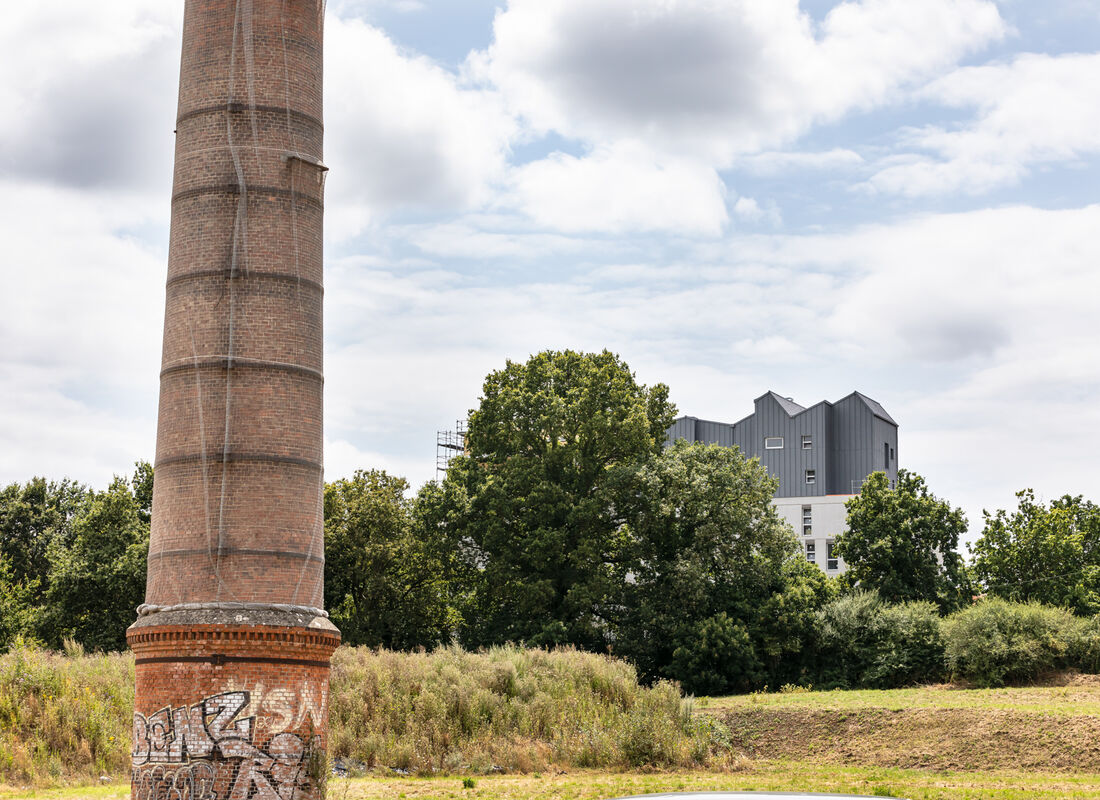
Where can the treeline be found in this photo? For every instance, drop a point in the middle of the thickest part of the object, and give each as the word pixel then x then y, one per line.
pixel 567 521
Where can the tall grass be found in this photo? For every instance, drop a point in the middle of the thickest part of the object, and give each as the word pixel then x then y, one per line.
pixel 506 708
pixel 65 717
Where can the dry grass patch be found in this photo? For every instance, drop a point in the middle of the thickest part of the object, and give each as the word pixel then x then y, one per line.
pixel 774 776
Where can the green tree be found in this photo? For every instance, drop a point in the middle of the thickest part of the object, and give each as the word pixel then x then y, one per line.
pixel 386 574
pixel 718 594
pixel 903 543
pixel 97 579
pixel 1042 553
pixel 141 484
pixel 32 515
pixel 536 503
pixel 16 613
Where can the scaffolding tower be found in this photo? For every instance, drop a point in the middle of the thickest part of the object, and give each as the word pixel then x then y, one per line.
pixel 449 444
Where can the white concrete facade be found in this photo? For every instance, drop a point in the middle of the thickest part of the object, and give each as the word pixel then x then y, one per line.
pixel 817 521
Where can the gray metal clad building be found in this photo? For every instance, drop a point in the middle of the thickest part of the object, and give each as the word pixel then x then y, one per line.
pixel 821 456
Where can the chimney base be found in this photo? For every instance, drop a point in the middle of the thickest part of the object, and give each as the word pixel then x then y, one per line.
pixel 231 704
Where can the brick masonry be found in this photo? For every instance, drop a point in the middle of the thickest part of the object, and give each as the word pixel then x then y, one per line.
pixel 232 692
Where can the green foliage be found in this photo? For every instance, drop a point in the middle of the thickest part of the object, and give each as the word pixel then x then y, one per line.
pixel 997 642
pixel 903 543
pixel 1046 554
pixel 17 616
pixel 537 503
pixel 386 576
pixel 1085 653
pixel 716 656
pixel 717 593
pixel 31 517
pixel 864 642
pixel 98 578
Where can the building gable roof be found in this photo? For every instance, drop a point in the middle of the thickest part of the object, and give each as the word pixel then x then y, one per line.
pixel 876 408
pixel 786 403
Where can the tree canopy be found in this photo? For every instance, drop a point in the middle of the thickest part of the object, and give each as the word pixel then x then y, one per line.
pixel 539 494
pixel 903 543
pixel 386 576
pixel 711 597
pixel 1044 553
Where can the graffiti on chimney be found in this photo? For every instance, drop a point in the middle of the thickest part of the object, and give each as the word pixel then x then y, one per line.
pixel 209 751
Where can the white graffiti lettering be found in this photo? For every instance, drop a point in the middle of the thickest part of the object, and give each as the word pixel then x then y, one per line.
pixel 206 751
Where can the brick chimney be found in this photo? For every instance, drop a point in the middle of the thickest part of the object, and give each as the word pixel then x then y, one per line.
pixel 232 646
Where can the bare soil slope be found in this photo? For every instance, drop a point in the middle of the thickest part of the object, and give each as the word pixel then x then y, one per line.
pixel 1046 728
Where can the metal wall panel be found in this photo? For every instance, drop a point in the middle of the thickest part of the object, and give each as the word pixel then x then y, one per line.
pixel 681 428
pixel 847 443
pixel 886 434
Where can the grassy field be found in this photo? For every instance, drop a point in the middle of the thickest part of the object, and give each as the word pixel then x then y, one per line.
pixel 758 776
pixel 570 725
pixel 1075 695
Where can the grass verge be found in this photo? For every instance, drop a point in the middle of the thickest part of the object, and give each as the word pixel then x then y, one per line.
pixel 773 776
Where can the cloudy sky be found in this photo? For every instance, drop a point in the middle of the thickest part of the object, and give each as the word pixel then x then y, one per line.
pixel 735 195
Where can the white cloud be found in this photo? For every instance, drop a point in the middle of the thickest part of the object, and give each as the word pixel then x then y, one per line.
pixel 90 90
pixel 716 79
pixel 1035 110
pixel 402 131
pixel 80 321
pixel 749 210
pixel 621 188
pixel 778 162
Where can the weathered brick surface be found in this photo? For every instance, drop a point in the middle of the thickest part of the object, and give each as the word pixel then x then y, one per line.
pixel 240 426
pixel 235 707
pixel 230 711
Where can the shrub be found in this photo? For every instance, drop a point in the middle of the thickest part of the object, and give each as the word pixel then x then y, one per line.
pixel 997 642
pixel 863 642
pixel 1085 653
pixel 911 647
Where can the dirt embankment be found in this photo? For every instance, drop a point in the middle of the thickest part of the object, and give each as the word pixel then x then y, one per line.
pixel 939 739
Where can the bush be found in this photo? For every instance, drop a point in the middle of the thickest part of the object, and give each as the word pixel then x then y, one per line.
pixel 863 642
pixel 1086 647
pixel 997 642
pixel 911 648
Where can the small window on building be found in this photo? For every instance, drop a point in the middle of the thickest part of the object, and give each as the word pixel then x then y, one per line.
pixel 885 456
pixel 773 443
pixel 811 552
pixel 891 454
pixel 811 476
pixel 807 520
pixel 807 442
pixel 831 561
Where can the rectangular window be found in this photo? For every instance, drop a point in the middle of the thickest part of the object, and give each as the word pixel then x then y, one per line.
pixel 807 520
pixel 807 442
pixel 811 476
pixel 811 552
pixel 831 561
pixel 773 443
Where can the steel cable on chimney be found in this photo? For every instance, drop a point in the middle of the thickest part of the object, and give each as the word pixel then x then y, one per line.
pixel 316 532
pixel 242 26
